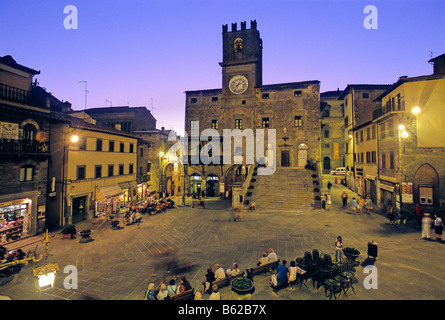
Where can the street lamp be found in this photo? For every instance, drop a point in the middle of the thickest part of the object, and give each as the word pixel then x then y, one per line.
pixel 46 274
pixel 415 110
pixel 74 138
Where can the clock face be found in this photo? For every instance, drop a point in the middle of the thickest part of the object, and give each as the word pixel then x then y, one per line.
pixel 238 84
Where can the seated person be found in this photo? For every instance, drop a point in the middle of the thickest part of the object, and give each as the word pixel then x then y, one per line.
pixel 272 255
pixel 219 272
pixel 264 260
pixel 234 271
pixel 282 273
pixel 215 294
pixel 208 279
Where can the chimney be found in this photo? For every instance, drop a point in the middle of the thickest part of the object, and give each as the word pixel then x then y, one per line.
pixel 438 64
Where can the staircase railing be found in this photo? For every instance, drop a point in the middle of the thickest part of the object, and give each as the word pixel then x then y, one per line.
pixel 246 184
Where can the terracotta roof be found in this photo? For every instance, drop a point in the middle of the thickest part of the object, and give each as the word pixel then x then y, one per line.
pixel 9 61
pixel 402 80
pixel 363 87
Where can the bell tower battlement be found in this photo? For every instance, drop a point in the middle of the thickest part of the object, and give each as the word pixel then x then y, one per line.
pixel 242 54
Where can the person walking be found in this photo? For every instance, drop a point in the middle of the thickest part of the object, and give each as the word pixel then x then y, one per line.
pixel 419 215
pixel 426 226
pixel 438 227
pixel 368 204
pixel 354 206
pixel 329 185
pixel 329 201
pixel 344 199
pixel 390 214
pixel 361 204
pixel 338 249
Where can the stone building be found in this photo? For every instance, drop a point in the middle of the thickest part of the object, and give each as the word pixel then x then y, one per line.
pixel 25 154
pixel 411 147
pixel 291 111
pixel 153 175
pixel 93 167
pixel 332 121
pixel 359 104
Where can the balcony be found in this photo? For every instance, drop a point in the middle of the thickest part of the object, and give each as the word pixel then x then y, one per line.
pixel 23 147
pixel 14 94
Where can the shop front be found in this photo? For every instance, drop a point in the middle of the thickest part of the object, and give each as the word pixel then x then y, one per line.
pixel 109 199
pixel 18 217
pixel 79 208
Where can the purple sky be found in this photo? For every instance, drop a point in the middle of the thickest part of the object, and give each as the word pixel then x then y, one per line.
pixel 145 53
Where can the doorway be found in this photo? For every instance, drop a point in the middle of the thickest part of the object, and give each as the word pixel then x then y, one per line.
pixel 285 158
pixel 302 155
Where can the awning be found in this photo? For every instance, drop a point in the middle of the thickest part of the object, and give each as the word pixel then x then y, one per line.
pixel 104 193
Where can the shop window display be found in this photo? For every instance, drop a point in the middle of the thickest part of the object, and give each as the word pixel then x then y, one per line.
pixel 12 221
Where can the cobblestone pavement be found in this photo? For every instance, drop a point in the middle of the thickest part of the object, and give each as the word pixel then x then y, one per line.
pixel 119 264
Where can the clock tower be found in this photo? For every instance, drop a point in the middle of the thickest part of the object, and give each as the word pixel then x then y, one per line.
pixel 242 62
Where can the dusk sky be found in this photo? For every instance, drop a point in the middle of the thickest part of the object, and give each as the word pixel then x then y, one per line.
pixel 148 53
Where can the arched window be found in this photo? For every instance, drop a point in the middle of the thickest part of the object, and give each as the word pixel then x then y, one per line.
pixel 326 163
pixel 29 135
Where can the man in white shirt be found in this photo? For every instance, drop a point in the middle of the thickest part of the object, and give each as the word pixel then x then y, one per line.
pixel 272 256
pixel 219 273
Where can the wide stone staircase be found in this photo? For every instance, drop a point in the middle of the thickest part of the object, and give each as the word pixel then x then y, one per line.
pixel 286 189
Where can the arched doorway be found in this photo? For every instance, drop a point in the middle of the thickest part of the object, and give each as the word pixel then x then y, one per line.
pixel 195 184
pixel 235 175
pixel 326 163
pixel 302 155
pixel 212 186
pixel 173 179
pixel 426 186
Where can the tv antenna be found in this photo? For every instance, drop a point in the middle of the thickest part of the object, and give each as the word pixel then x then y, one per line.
pixel 86 92
pixel 151 106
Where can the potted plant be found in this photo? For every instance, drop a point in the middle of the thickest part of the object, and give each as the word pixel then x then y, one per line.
pixel 351 253
pixel 85 233
pixel 68 231
pixel 242 285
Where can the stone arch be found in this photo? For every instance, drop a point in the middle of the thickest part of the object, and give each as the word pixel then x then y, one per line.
pixel 426 186
pixel 326 163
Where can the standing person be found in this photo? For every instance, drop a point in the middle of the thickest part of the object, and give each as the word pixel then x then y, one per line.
pixel 329 201
pixel 323 201
pixel 390 213
pixel 419 215
pixel 361 204
pixel 338 249
pixel 426 226
pixel 354 206
pixel 329 185
pixel 336 180
pixel 368 204
pixel 344 199
pixel 438 227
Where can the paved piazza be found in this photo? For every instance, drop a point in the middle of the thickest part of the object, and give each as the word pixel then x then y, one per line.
pixel 118 264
